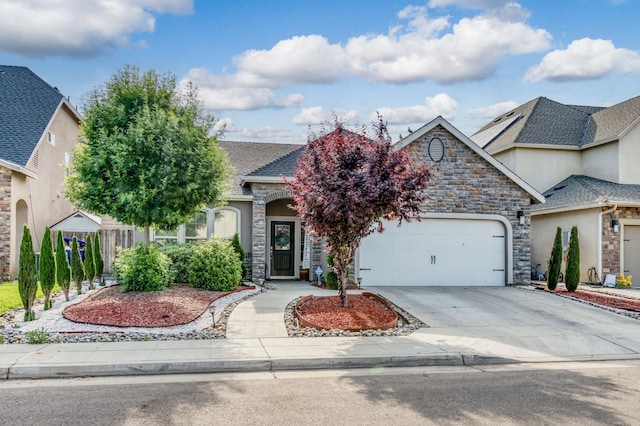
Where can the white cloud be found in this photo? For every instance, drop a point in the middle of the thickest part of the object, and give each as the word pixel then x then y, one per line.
pixel 469 51
pixel 471 4
pixel 492 111
pixel 318 115
pixel 584 59
pixel 233 93
pixel 441 104
pixel 39 28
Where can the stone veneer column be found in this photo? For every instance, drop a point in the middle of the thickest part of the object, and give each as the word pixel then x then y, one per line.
pixel 258 246
pixel 5 221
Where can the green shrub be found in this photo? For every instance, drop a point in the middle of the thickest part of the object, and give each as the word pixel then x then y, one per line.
pixel 89 264
pixel 555 261
pixel 97 257
pixel 27 275
pixel 331 278
pixel 142 269
pixel 63 272
pixel 180 256
pixel 237 247
pixel 77 268
pixel 215 266
pixel 47 268
pixel 37 337
pixel 572 273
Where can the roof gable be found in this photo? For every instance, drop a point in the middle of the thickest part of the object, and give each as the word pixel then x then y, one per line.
pixel 439 121
pixel 27 105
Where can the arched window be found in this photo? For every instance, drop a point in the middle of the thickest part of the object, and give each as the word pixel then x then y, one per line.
pixel 226 222
pixel 197 228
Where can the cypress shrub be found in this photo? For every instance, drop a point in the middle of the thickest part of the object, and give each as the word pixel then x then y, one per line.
pixel 97 257
pixel 89 264
pixel 572 273
pixel 555 261
pixel 47 268
pixel 27 275
pixel 235 242
pixel 63 273
pixel 77 270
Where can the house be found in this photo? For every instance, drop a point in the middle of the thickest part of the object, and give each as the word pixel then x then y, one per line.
pixel 38 130
pixel 473 230
pixel 584 158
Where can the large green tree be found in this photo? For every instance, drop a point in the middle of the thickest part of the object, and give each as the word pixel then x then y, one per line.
pixel 148 154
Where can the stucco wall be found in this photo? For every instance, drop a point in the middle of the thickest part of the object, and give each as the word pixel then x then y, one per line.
pixel 543 232
pixel 602 162
pixel 44 195
pixel 630 149
pixel 467 183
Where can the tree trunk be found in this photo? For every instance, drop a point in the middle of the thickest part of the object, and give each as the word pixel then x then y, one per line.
pixel 147 235
pixel 343 288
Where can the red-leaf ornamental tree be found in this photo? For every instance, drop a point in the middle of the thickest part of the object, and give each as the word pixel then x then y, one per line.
pixel 346 182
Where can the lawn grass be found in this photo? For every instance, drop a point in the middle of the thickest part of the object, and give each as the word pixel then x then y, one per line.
pixel 10 296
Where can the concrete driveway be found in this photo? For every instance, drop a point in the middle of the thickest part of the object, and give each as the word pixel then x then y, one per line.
pixel 508 322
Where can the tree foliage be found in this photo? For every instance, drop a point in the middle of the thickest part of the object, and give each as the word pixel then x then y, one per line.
pixel 47 268
pixel 89 264
pixel 345 182
pixel 555 261
pixel 237 247
pixel 27 274
pixel 146 155
pixel 77 269
pixel 63 273
pixel 572 273
pixel 97 257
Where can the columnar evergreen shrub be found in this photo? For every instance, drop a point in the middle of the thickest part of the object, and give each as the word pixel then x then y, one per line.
pixel 97 257
pixel 77 269
pixel 89 264
pixel 180 257
pixel 143 269
pixel 331 278
pixel 572 273
pixel 47 268
pixel 27 275
pixel 555 261
pixel 235 242
pixel 215 266
pixel 63 272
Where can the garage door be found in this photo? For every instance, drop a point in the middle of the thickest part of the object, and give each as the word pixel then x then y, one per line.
pixel 435 252
pixel 632 253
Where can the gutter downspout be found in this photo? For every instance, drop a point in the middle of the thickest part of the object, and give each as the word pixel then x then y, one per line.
pixel 602 213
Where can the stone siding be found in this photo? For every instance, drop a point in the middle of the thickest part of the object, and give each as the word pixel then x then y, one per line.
pixel 5 222
pixel 611 244
pixel 464 182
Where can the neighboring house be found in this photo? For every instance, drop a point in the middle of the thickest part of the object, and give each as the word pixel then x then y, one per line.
pixel 586 160
pixel 473 230
pixel 38 130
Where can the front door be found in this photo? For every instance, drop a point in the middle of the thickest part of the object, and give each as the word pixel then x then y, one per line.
pixel 282 249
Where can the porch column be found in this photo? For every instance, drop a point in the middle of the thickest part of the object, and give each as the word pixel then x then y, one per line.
pixel 259 239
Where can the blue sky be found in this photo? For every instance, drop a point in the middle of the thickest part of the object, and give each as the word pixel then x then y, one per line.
pixel 270 69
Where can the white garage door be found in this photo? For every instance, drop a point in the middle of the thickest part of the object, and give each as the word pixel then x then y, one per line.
pixel 435 252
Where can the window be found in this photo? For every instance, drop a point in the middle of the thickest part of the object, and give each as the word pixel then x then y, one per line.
pixel 165 235
pixel 197 228
pixel 226 222
pixel 51 138
pixel 67 163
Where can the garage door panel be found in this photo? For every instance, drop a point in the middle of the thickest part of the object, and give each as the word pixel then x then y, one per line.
pixel 632 252
pixel 445 252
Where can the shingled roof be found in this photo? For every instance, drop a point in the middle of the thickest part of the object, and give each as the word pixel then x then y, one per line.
pixel 543 121
pixel 579 191
pixel 27 104
pixel 249 157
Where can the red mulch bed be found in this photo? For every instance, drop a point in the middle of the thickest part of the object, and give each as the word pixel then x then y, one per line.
pixel 176 305
pixel 604 300
pixel 362 313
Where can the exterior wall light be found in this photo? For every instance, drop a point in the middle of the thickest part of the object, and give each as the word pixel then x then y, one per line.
pixel 521 217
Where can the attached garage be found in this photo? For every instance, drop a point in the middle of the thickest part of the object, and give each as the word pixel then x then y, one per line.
pixel 437 252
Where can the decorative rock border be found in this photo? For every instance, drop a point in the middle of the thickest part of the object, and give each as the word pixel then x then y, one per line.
pixel 406 325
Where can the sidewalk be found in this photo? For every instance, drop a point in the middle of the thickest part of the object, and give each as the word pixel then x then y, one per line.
pixel 467 326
